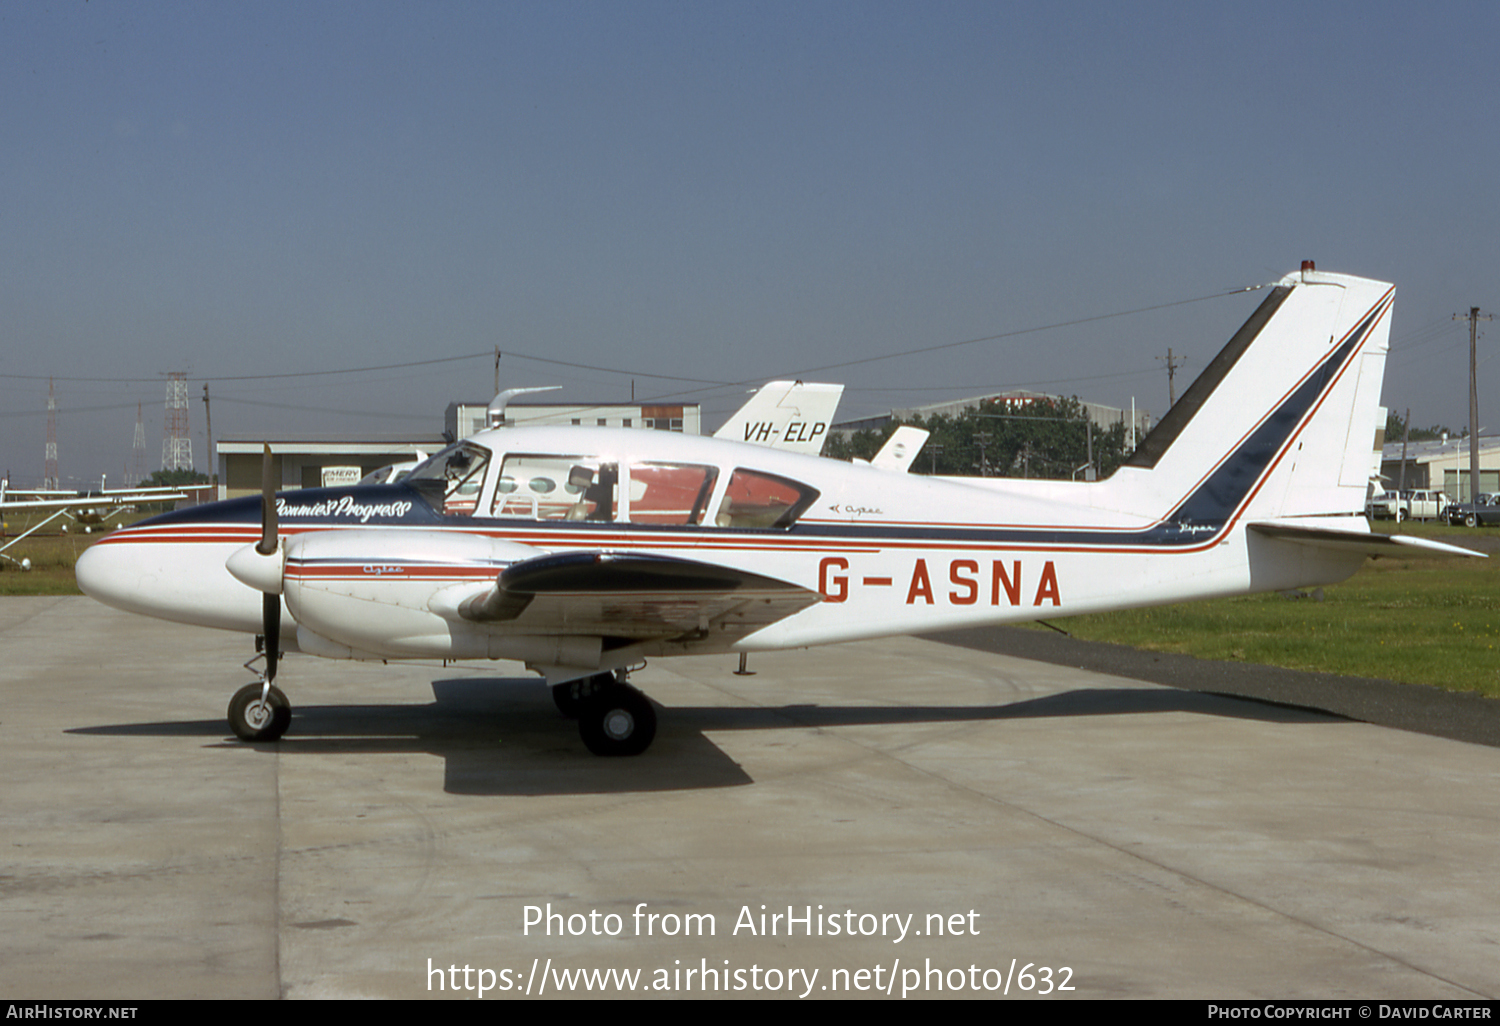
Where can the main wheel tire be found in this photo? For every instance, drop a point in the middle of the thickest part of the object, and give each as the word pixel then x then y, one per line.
pixel 574 696
pixel 1400 515
pixel 1470 520
pixel 254 720
pixel 619 721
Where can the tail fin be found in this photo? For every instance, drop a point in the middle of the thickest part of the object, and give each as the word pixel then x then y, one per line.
pixel 1283 421
pixel 790 415
pixel 900 449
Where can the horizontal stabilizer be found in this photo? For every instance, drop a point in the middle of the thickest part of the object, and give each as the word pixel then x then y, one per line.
pixel 1396 546
pixel 634 596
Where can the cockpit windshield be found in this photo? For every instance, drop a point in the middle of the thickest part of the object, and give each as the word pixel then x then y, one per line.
pixel 451 480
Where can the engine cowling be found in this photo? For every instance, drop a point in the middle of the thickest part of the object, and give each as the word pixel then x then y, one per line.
pixel 378 592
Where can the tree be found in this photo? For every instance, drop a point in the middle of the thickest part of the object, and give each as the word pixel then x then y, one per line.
pixel 1395 430
pixel 1042 437
pixel 174 479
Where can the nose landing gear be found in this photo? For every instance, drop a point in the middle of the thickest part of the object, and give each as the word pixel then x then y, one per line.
pixel 259 712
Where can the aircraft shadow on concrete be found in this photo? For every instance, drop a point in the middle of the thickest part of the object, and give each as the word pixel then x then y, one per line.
pixel 505 736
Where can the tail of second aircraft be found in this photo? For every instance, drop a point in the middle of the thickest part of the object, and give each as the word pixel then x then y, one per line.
pixel 790 415
pixel 1282 424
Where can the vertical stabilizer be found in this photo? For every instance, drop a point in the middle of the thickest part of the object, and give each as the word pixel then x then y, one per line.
pixel 789 415
pixel 1282 422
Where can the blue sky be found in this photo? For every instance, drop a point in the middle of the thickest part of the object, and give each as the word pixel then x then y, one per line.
pixel 726 192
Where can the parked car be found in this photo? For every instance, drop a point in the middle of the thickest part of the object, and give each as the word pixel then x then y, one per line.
pixel 1423 504
pixel 1482 512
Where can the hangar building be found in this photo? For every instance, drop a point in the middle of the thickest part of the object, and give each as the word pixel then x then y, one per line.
pixel 1441 464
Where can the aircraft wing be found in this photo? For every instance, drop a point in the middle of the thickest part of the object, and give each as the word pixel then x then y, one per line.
pixel 73 493
pixel 88 502
pixel 628 595
pixel 1396 546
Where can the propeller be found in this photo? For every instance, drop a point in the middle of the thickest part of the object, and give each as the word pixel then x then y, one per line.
pixel 270 603
pixel 261 567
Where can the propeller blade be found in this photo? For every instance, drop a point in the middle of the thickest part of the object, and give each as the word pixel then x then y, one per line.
pixel 270 607
pixel 267 543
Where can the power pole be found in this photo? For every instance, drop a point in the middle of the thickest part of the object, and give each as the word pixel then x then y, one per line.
pixel 932 454
pixel 213 464
pixel 1473 318
pixel 177 446
pixel 137 472
pixel 1171 378
pixel 49 471
pixel 1405 441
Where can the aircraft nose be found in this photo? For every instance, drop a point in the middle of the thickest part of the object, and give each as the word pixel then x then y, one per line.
pixel 173 579
pixel 105 574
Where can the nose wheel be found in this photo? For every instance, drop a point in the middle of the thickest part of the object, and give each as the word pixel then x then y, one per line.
pixel 259 712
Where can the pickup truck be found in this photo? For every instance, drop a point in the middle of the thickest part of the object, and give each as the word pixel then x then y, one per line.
pixel 1386 506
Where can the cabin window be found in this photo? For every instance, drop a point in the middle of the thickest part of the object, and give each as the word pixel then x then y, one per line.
pixel 553 487
pixel 670 493
pixel 757 499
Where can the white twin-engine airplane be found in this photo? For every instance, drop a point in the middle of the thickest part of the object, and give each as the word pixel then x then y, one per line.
pixel 583 551
pixel 53 500
pixel 52 504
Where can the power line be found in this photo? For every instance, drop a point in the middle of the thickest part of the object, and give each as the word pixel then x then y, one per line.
pixel 1025 331
pixel 611 370
pixel 383 414
pixel 803 373
pixel 264 377
pixel 709 384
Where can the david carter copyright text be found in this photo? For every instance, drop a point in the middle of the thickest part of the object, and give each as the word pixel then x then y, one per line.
pixel 1292 1010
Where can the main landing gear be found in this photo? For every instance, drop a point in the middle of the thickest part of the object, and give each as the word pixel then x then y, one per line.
pixel 613 717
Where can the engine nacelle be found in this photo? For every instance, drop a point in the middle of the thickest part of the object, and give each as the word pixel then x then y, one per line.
pixel 371 591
